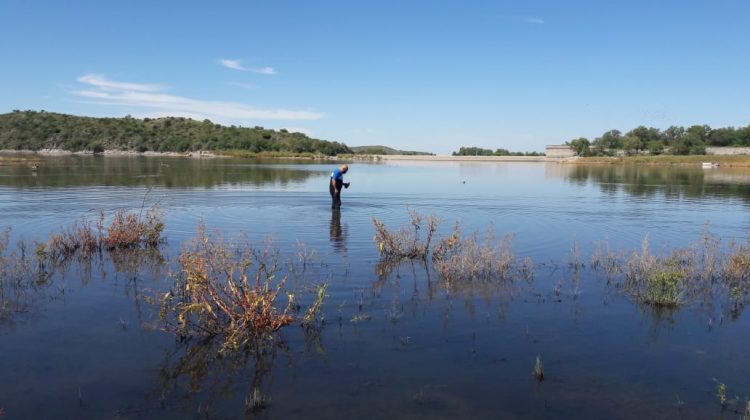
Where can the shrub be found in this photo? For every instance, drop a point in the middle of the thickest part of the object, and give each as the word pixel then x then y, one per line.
pixel 663 289
pixel 457 259
pixel 232 292
pixel 406 243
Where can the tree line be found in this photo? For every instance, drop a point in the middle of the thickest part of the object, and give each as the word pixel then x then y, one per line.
pixel 674 140
pixel 31 130
pixel 478 151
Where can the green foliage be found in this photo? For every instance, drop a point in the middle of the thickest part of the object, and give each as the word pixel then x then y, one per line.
pixel 478 151
pixel 663 289
pixel 43 130
pixel 674 140
pixel 581 146
pixel 655 147
pixel 473 151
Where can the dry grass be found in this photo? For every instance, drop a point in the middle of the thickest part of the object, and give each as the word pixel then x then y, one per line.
pixel 407 242
pixel 457 259
pixel 699 272
pixel 129 229
pixel 126 230
pixel 21 278
pixel 471 259
pixel 79 238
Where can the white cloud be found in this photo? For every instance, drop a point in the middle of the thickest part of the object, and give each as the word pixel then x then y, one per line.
pixel 107 92
pixel 237 65
pixel 538 21
pixel 232 64
pixel 104 84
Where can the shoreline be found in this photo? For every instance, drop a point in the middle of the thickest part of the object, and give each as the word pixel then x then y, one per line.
pixel 660 160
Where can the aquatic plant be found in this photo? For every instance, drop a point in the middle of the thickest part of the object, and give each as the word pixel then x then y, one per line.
pixel 312 314
pixel 406 242
pixel 655 281
pixel 469 259
pixel 130 229
pixel 721 394
pixel 538 369
pixel 126 230
pixel 22 280
pixel 256 401
pixel 200 368
pixel 663 289
pixel 233 292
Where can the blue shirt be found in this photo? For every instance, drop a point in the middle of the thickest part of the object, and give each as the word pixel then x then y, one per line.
pixel 337 175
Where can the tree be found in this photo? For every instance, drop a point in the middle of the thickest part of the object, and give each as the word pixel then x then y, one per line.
pixel 643 136
pixel 722 137
pixel 472 151
pixel 580 146
pixel 655 147
pixel 631 145
pixel 701 131
pixel 612 139
pixel 673 134
pixel 690 143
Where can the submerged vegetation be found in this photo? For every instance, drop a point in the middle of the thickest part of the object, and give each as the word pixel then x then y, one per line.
pixel 234 292
pixel 456 259
pixel 26 273
pixel 407 242
pixel 126 230
pixel 697 273
pixel 538 369
pixel 229 301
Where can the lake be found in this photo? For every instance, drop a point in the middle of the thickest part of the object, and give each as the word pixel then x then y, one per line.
pixel 397 341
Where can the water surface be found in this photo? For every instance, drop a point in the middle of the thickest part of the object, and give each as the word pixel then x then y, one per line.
pixel 86 347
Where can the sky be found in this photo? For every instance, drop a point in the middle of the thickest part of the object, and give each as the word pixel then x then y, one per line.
pixel 414 75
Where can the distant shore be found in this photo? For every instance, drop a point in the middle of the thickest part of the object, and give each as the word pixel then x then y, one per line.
pixel 663 160
pixel 433 158
pixel 19 156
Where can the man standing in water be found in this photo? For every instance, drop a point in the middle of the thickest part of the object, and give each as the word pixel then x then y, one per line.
pixel 334 187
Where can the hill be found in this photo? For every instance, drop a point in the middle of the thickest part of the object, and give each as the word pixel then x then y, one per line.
pixel 384 150
pixel 31 130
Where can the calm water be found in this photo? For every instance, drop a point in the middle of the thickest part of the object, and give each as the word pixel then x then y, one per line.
pixel 86 346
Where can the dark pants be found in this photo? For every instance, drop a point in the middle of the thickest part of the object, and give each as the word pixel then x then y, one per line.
pixel 335 195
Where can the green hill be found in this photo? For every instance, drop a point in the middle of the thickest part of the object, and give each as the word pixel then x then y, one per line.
pixel 384 150
pixel 30 130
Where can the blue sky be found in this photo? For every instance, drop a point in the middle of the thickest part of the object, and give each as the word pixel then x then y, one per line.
pixel 417 75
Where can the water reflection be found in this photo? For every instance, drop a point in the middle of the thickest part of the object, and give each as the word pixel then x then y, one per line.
pixel 671 181
pixel 199 374
pixel 337 232
pixel 30 281
pixel 150 171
